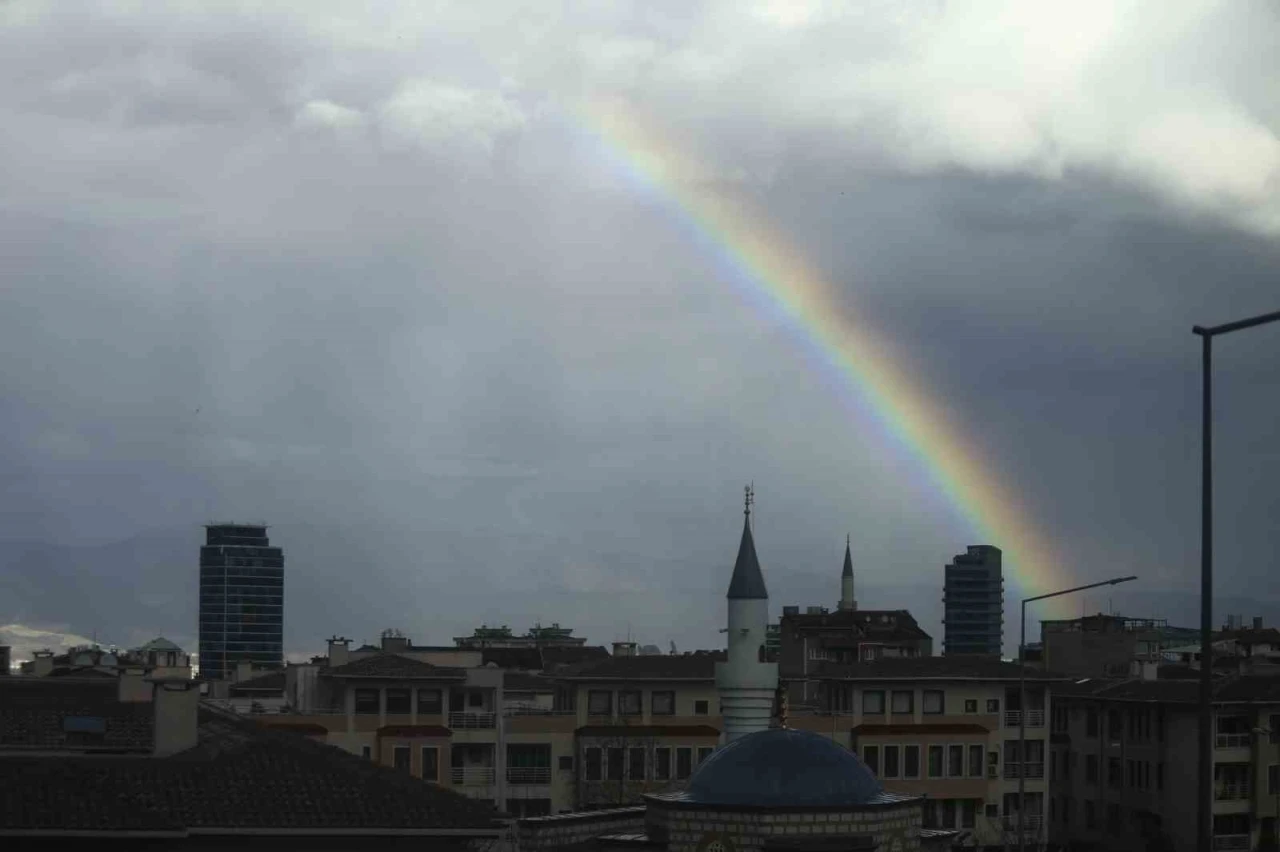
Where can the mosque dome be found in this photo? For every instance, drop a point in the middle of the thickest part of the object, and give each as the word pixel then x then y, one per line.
pixel 782 767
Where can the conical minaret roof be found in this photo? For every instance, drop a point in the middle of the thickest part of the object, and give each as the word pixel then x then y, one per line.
pixel 847 571
pixel 748 581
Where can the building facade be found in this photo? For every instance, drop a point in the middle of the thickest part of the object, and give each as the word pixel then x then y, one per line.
pixel 1108 645
pixel 973 603
pixel 241 600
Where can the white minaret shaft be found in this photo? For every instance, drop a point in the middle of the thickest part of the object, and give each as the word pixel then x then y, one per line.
pixel 847 601
pixel 746 683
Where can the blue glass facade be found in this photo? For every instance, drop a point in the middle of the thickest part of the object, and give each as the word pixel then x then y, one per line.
pixel 973 603
pixel 241 600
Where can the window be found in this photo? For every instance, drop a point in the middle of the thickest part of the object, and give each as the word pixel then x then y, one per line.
pixel 630 702
pixel 704 753
pixel 993 705
pixel 398 701
pixel 684 763
pixel 1113 818
pixel 934 701
pixel 593 764
pixel 968 812
pixel 1160 776
pixel 948 813
pixel 1114 729
pixel 1274 726
pixel 873 702
pixel 911 761
pixel 903 701
pixel 475 700
pixel 955 761
pixel 367 702
pixel 975 761
pixel 1090 814
pixel 662 703
pixel 971 705
pixel 1273 779
pixel 400 757
pixel 935 761
pixel 430 763
pixel 566 763
pixel 635 764
pixel 613 759
pixel 366 752
pixel 662 763
pixel 1091 722
pixel 1115 773
pixel 599 702
pixel 993 811
pixel 871 757
pixel 430 702
pixel 1091 768
pixel 700 708
pixel 1068 761
pixel 891 767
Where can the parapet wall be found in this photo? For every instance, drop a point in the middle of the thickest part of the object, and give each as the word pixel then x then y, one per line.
pixel 554 832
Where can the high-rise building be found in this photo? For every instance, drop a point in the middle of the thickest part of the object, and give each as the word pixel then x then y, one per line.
pixel 241 600
pixel 973 603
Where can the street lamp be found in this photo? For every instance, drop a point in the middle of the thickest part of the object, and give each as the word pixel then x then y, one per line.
pixel 1205 791
pixel 1022 697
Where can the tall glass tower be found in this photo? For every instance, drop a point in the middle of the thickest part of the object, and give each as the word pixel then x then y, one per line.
pixel 973 603
pixel 241 599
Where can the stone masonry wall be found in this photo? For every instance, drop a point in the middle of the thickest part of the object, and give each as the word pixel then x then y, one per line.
pixel 895 828
pixel 553 832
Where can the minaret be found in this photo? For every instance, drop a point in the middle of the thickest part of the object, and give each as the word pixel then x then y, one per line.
pixel 747 684
pixel 847 603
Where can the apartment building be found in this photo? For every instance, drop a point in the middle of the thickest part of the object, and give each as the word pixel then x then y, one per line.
pixel 947 729
pixel 1104 645
pixel 1124 763
pixel 973 603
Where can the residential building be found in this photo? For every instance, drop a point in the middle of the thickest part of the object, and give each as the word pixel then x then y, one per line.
pixel 1124 763
pixel 1108 645
pixel 158 658
pixel 537 637
pixel 947 729
pixel 973 603
pixel 142 761
pixel 241 600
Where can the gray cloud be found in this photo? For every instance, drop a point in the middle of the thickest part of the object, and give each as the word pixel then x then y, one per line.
pixel 363 276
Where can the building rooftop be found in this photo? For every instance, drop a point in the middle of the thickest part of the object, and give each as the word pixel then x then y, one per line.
pixel 932 668
pixel 1232 688
pixel 696 666
pixel 241 776
pixel 52 714
pixel 872 623
pixel 394 666
pixel 269 682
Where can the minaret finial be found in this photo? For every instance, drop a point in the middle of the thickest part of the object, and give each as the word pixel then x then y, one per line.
pixel 749 497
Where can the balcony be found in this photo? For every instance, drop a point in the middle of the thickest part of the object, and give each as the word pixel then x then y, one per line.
pixel 528 774
pixel 1230 841
pixel 1228 791
pixel 993 772
pixel 471 720
pixel 1023 770
pixel 1233 741
pixel 471 776
pixel 1030 823
pixel 1013 718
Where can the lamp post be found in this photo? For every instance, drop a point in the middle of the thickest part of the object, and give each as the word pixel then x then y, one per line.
pixel 1204 827
pixel 1022 697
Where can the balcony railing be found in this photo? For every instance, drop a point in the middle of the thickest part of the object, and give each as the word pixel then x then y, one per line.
pixel 1231 841
pixel 1030 822
pixel 993 772
pixel 529 774
pixel 471 720
pixel 1024 770
pixel 525 710
pixel 471 776
pixel 1013 718
pixel 1226 791
pixel 1233 741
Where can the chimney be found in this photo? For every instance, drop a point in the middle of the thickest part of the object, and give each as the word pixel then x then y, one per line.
pixel 394 643
pixel 177 704
pixel 1257 622
pixel 42 663
pixel 624 649
pixel 339 649
pixel 6 656
pixel 132 685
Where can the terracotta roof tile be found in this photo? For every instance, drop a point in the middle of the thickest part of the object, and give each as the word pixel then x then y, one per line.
pixel 394 666
pixel 37 713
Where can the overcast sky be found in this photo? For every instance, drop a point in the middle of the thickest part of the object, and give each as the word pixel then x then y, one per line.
pixel 357 270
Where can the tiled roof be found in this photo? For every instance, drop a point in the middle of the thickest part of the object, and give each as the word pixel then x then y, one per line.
pixel 394 666
pixel 240 776
pixel 34 714
pixel 524 682
pixel 1249 636
pixel 526 659
pixel 563 659
pixel 698 666
pixel 936 668
pixel 269 682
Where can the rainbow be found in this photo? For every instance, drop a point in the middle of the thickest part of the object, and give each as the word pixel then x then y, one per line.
pixel 778 280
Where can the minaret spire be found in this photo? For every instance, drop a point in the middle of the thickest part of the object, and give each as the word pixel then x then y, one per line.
pixel 847 603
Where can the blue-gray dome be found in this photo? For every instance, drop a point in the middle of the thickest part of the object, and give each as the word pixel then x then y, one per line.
pixel 780 767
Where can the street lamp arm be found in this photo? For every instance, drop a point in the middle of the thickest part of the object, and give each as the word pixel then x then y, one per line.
pixel 1238 325
pixel 1113 582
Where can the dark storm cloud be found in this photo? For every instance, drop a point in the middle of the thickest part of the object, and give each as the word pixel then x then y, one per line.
pixel 358 276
